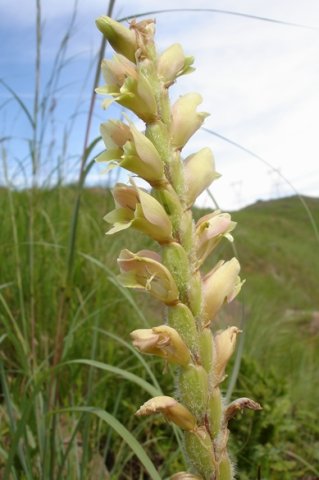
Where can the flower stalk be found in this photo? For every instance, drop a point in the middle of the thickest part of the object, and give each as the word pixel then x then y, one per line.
pixel 139 79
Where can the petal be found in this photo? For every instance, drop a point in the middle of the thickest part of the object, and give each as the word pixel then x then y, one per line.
pixel 115 134
pixel 210 229
pixel 185 119
pixel 172 63
pixel 155 213
pixel 171 409
pixel 147 152
pixel 121 218
pixel 221 284
pixel 199 173
pixel 150 275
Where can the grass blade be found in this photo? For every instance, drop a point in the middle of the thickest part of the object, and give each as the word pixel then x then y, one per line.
pixel 126 436
pixel 20 102
pixel 258 157
pixel 218 11
pixel 135 352
pixel 118 371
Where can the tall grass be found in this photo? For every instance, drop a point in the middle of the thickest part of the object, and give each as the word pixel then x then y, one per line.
pixel 69 379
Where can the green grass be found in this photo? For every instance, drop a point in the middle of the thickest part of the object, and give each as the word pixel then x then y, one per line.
pixel 279 256
pixel 70 380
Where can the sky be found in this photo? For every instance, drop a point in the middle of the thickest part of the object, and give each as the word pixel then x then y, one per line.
pixel 259 81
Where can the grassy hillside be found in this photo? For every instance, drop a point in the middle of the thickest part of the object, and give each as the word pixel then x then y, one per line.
pixel 278 310
pixel 279 254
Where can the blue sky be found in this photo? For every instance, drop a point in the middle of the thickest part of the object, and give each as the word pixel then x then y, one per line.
pixel 259 81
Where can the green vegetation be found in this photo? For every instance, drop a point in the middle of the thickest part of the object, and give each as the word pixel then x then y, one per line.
pixel 70 380
pixel 279 255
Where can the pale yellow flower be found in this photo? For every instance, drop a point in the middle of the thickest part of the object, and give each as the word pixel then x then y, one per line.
pixel 163 341
pixel 172 410
pixel 143 271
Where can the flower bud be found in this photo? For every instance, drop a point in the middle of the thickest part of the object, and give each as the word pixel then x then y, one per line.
pixel 220 285
pixel 225 467
pixel 206 348
pixel 225 342
pixel 162 341
pixel 199 447
pixel 215 412
pixel 210 229
pixel 195 294
pixel 172 410
pixel 185 119
pixel 157 133
pixel 199 172
pixel 120 38
pixel 180 317
pixel 175 258
pixel 139 210
pixel 172 63
pixel 143 271
pixel 193 389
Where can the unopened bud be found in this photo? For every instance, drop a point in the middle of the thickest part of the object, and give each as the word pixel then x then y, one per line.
pixel 121 38
pixel 206 348
pixel 199 447
pixel 225 468
pixel 175 258
pixel 214 412
pixel 193 389
pixel 180 317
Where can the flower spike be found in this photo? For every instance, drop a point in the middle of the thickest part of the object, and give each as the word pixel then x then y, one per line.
pixel 138 78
